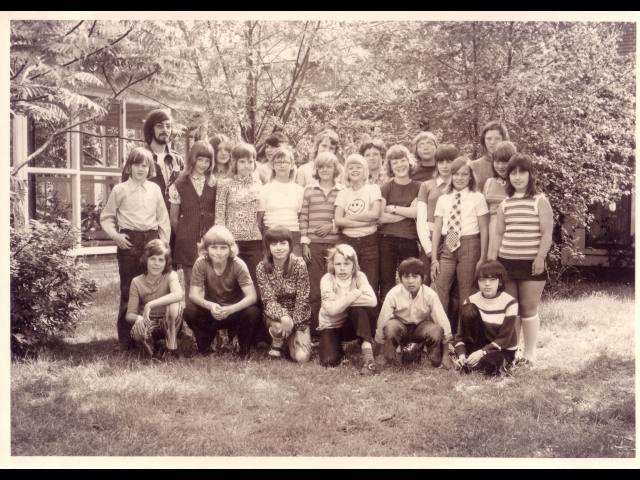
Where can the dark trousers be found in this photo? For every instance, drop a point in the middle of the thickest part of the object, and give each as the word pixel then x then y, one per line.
pixel 358 324
pixel 317 268
pixel 129 268
pixel 397 333
pixel 368 253
pixel 471 331
pixel 250 252
pixel 205 327
pixel 393 250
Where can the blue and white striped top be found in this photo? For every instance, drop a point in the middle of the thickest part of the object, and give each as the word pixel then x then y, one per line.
pixel 521 239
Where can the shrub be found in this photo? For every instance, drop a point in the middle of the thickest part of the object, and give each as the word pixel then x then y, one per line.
pixel 47 289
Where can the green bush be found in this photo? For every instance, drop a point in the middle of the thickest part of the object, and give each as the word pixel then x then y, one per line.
pixel 47 287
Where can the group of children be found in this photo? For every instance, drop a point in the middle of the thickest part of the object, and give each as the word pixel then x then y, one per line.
pixel 283 254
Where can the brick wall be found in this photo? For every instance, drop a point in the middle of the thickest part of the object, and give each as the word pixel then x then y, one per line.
pixel 102 268
pixel 628 40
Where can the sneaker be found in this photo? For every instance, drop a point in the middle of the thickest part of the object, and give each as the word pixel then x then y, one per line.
pixel 411 353
pixel 275 352
pixel 369 368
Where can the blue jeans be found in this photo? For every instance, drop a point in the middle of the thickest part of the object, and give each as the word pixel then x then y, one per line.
pixel 393 250
pixel 129 268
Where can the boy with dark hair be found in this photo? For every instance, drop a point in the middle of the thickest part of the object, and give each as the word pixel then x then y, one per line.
pixel 411 316
pixel 374 152
pixel 274 141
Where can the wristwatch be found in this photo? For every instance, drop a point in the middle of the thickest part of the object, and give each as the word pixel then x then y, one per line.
pixel 394 209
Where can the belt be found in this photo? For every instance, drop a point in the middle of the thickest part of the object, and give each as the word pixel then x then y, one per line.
pixel 469 237
pixel 128 230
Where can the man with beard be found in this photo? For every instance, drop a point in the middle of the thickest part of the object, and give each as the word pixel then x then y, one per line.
pixel 158 129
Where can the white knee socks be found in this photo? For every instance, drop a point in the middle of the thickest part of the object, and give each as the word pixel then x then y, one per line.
pixel 277 341
pixel 530 328
pixel 367 351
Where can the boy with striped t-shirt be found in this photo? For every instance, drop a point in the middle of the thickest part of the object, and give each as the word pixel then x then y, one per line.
pixel 486 338
pixel 318 232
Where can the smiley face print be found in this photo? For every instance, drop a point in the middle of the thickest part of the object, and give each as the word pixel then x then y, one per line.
pixel 356 206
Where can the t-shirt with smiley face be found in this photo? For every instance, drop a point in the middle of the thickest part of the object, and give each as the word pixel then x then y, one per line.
pixel 358 202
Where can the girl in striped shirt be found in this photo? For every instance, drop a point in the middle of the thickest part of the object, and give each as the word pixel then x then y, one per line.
pixel 486 338
pixel 522 241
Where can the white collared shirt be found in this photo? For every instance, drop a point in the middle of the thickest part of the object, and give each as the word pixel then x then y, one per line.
pixel 399 304
pixel 472 206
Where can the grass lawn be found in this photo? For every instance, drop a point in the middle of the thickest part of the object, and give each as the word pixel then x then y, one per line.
pixel 81 398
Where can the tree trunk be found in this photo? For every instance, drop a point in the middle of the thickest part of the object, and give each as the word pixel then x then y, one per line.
pixel 248 131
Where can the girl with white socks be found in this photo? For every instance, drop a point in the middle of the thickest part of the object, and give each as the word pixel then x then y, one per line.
pixel 522 241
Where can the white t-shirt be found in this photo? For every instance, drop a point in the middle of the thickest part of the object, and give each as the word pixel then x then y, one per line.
pixel 472 206
pixel 281 203
pixel 358 202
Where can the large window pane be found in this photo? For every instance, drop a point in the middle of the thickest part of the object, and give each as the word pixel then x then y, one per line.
pixel 52 197
pixel 55 156
pixel 95 191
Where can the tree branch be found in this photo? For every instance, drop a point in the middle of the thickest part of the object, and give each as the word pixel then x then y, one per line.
pixel 28 99
pixel 112 136
pixel 104 72
pixel 92 27
pixel 73 29
pixel 46 144
pixel 92 53
pixel 99 160
pixel 132 84
pixel 19 71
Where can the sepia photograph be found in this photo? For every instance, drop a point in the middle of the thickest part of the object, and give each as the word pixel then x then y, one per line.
pixel 320 239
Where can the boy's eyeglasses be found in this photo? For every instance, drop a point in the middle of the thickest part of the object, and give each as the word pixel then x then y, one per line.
pixel 281 164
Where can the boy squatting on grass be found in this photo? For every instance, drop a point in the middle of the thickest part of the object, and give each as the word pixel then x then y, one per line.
pixel 154 307
pixel 411 316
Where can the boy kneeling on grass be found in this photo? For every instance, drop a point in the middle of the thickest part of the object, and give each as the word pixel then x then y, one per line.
pixel 229 294
pixel 487 327
pixel 412 316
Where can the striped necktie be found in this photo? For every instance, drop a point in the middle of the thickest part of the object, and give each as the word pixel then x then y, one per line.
pixel 455 227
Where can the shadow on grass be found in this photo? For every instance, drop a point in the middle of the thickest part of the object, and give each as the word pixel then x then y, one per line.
pixel 124 407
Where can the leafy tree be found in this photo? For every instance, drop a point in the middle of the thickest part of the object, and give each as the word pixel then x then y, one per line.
pixel 566 95
pixel 258 76
pixel 52 63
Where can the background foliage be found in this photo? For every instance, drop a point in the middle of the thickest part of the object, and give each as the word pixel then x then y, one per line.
pixel 47 288
pixel 566 95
